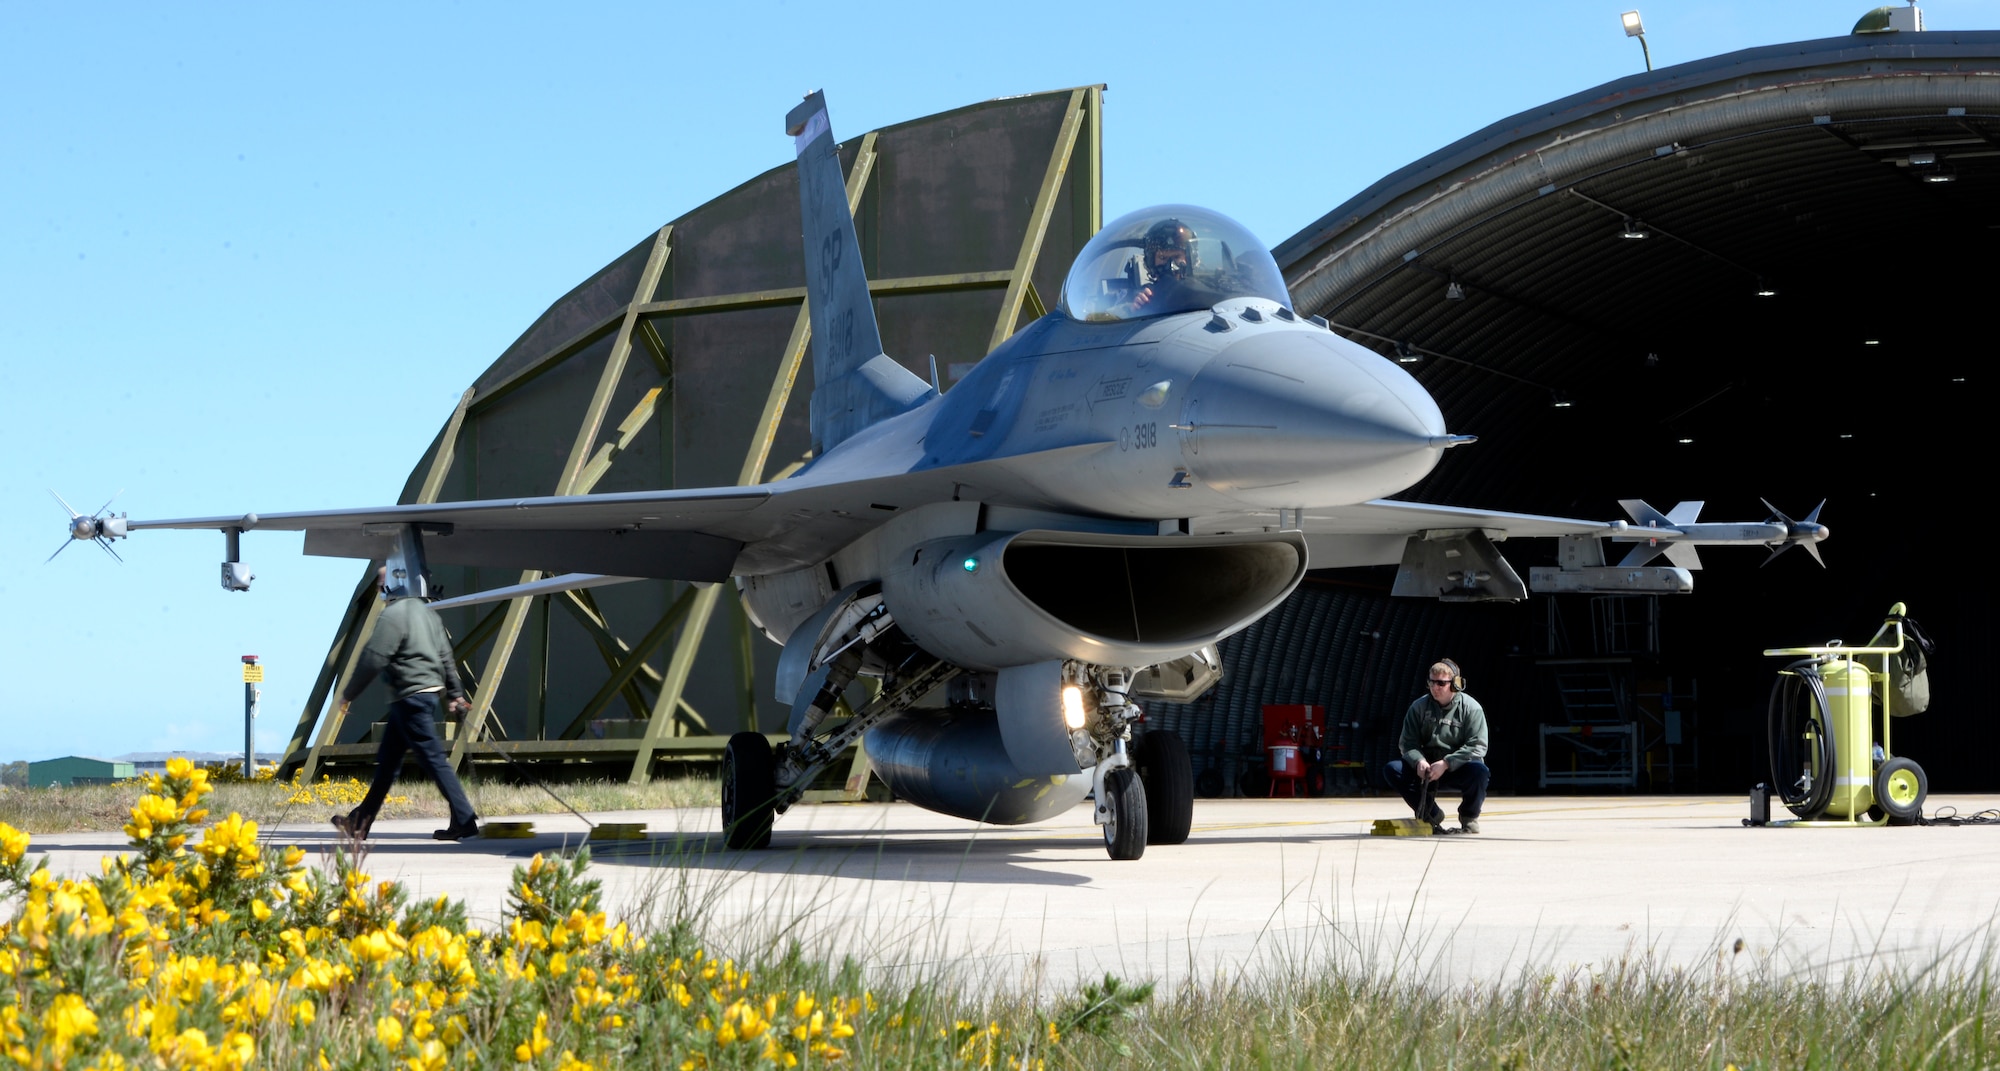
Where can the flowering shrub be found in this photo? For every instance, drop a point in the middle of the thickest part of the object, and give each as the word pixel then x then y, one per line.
pixel 205 949
pixel 331 793
pixel 231 773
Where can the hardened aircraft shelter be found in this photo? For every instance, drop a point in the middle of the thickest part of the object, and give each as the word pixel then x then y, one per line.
pixel 1758 275
pixel 681 364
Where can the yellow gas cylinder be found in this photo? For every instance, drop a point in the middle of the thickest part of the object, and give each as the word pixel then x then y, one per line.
pixel 1848 695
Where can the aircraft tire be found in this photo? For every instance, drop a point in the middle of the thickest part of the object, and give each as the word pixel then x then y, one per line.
pixel 1125 833
pixel 749 788
pixel 1168 774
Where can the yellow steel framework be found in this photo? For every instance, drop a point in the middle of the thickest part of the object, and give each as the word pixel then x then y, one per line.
pixel 672 725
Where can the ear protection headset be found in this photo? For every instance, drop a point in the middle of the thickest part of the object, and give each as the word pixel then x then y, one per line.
pixel 1457 675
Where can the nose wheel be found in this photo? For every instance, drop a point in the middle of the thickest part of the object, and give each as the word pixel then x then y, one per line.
pixel 1125 817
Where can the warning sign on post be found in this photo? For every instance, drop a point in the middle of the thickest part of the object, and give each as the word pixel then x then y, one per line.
pixel 253 673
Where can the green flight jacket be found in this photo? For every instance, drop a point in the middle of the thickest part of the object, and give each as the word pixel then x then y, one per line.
pixel 411 649
pixel 1454 732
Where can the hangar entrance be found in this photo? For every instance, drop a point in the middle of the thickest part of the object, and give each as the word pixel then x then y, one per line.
pixel 1757 276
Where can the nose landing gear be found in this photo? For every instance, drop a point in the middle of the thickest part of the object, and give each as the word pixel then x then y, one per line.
pixel 1122 804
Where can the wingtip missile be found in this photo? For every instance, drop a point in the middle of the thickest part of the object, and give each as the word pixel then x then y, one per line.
pixel 1806 533
pixel 100 527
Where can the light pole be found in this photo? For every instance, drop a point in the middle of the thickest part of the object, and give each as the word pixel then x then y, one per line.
pixel 1635 28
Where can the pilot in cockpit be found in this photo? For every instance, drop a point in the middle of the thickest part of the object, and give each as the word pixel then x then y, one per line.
pixel 1168 257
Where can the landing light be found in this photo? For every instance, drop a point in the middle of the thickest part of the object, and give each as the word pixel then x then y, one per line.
pixel 1072 706
pixel 972 565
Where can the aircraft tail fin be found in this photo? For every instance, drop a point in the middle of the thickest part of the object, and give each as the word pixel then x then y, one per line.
pixel 854 383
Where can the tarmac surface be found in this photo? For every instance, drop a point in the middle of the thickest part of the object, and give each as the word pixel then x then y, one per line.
pixel 1551 885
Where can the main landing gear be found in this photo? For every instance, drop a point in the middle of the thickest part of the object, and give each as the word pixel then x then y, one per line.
pixel 760 783
pixel 749 792
pixel 1168 775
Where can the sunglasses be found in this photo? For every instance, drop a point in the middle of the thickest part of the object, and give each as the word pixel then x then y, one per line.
pixel 1446 683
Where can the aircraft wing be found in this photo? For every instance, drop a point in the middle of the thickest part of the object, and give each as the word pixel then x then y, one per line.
pixel 669 534
pixel 1375 533
pixel 1386 516
pixel 702 534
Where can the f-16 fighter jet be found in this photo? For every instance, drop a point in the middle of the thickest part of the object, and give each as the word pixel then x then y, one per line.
pixel 1121 484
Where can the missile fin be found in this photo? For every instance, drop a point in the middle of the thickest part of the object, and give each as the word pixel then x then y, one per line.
pixel 1684 554
pixel 1685 513
pixel 1641 553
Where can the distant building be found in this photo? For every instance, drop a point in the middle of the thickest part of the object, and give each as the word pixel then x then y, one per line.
pixel 145 762
pixel 73 770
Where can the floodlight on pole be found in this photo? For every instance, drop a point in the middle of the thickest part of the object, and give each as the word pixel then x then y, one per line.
pixel 1635 28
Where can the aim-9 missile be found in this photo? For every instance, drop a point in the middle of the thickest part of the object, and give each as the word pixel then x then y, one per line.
pixel 1677 532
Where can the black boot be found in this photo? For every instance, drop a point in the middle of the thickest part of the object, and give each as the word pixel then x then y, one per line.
pixel 457 831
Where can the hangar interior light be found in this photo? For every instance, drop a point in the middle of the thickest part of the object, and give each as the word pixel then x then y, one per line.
pixel 1559 400
pixel 1407 354
pixel 1634 229
pixel 1453 291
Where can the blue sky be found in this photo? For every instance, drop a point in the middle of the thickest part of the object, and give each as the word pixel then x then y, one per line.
pixel 250 255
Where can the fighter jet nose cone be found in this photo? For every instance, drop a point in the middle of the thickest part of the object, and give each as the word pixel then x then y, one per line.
pixel 1305 417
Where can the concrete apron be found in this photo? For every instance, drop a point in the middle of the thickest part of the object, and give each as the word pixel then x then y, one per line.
pixel 1263 887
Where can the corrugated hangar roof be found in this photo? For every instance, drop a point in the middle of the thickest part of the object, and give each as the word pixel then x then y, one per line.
pixel 1805 318
pixel 1854 176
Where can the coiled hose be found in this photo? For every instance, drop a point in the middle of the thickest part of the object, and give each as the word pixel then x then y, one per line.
pixel 1802 748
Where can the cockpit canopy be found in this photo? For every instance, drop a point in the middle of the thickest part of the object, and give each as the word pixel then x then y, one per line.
pixel 1166 259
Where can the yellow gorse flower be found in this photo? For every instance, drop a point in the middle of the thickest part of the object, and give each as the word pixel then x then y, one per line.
pixel 218 947
pixel 13 845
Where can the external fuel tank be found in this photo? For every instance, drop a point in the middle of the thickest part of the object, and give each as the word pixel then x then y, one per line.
pixel 953 762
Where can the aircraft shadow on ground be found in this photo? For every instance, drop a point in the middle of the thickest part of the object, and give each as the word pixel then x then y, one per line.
pixel 864 854
pixel 858 854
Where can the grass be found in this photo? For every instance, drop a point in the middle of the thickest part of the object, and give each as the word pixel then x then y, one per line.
pixel 1337 996
pixel 105 808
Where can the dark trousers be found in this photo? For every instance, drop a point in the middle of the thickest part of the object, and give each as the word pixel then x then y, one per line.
pixel 412 726
pixel 1469 779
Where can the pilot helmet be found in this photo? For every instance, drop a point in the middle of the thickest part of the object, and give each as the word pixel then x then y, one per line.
pixel 1170 236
